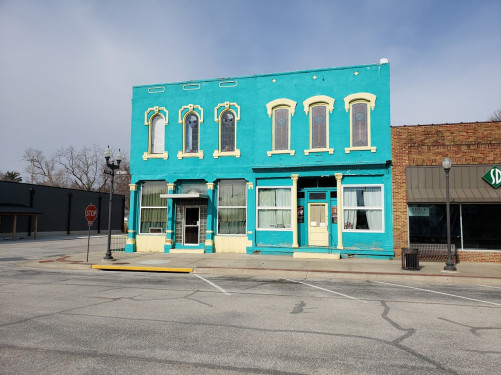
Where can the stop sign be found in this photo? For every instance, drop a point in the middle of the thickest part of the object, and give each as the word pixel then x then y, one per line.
pixel 90 214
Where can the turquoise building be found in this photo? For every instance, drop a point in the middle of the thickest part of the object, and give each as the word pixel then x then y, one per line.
pixel 294 163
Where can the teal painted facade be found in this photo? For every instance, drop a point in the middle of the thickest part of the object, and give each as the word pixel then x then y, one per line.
pixel 311 148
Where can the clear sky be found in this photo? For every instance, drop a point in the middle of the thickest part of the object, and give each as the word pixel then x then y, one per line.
pixel 67 67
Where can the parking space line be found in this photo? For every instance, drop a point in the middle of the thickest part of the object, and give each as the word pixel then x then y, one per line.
pixel 214 285
pixel 326 290
pixel 433 291
pixel 490 286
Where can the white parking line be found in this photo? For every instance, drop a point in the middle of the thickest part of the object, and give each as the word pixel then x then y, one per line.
pixel 326 290
pixel 490 286
pixel 445 294
pixel 214 285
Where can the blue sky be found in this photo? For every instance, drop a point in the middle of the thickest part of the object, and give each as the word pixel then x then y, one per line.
pixel 67 66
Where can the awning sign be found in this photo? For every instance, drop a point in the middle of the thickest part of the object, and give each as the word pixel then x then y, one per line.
pixel 493 177
pixel 419 211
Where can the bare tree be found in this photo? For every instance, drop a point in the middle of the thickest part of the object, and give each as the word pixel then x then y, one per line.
pixel 496 116
pixel 84 167
pixel 43 170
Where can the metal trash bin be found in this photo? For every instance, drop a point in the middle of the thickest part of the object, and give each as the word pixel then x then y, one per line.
pixel 410 259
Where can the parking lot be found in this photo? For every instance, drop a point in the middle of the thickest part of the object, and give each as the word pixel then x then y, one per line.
pixel 61 321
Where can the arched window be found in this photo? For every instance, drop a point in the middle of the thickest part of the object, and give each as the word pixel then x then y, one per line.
pixel 228 130
pixel 318 107
pixel 191 133
pixel 156 119
pixel 281 111
pixel 360 120
pixel 157 135
pixel 227 116
pixel 190 117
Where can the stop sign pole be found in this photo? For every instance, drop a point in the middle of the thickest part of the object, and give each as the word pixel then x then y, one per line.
pixel 90 216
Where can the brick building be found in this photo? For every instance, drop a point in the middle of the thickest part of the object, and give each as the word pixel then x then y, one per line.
pixel 419 187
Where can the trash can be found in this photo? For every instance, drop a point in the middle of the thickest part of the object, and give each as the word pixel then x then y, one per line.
pixel 410 259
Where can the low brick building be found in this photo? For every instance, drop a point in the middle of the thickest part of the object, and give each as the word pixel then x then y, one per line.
pixel 419 187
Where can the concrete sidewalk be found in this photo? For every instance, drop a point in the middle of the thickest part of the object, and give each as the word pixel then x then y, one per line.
pixel 278 266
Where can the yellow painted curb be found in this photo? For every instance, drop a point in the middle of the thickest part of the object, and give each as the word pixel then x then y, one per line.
pixel 140 268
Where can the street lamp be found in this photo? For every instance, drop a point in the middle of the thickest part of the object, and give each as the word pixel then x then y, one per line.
pixel 111 171
pixel 449 265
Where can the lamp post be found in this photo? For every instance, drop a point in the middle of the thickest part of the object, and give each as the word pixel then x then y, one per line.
pixel 112 166
pixel 446 164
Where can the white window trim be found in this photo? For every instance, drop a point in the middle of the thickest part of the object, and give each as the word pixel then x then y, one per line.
pixel 271 108
pixel 141 209
pixel 370 100
pixel 218 207
pixel 160 111
pixel 345 207
pixel 272 208
pixel 314 101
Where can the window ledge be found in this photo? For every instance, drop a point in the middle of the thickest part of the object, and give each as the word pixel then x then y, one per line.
pixel 329 150
pixel 164 155
pixel 218 153
pixel 290 152
pixel 347 150
pixel 199 154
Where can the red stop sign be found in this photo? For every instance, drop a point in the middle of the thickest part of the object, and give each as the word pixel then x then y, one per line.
pixel 90 214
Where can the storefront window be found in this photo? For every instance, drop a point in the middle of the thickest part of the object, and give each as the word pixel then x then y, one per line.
pixel 480 227
pixel 274 208
pixel 363 208
pixel 232 206
pixel 428 224
pixel 153 217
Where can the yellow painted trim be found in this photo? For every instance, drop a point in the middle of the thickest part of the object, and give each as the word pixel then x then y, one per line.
pixel 168 241
pixel 329 150
pixel 326 231
pixel 140 268
pixel 191 108
pixel 295 178
pixel 227 105
pixel 349 101
pixel 133 187
pixel 209 243
pixel 290 152
pixel 130 241
pixel 360 96
pixel 171 186
pixel 340 220
pixel 284 102
pixel 210 185
pixel 164 155
pixel 272 107
pixel 199 154
pixel 182 154
pixel 250 185
pixel 319 99
pixel 156 110
pixel 147 122
pixel 218 153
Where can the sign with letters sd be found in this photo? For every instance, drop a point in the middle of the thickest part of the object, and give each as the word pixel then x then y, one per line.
pixel 493 177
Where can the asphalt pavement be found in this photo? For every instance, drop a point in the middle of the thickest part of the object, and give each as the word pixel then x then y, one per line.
pixel 238 264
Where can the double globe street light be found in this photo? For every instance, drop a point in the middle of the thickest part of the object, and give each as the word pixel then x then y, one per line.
pixel 112 166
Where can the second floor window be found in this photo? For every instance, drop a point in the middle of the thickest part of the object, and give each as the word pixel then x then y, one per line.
pixel 281 129
pixel 157 135
pixel 191 133
pixel 359 125
pixel 228 131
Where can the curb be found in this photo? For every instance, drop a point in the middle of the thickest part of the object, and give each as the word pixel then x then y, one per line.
pixel 141 268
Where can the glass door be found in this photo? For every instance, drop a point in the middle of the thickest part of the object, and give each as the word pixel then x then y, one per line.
pixel 191 225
